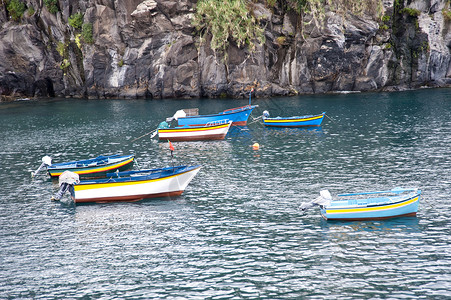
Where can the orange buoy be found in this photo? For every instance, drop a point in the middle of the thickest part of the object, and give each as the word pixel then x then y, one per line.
pixel 256 146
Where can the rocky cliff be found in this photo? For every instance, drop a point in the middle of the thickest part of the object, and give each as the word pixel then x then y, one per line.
pixel 150 49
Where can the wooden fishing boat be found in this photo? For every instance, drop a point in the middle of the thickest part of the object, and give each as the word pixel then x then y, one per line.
pixel 238 116
pixel 302 121
pixel 194 133
pixel 398 202
pixel 93 168
pixel 136 185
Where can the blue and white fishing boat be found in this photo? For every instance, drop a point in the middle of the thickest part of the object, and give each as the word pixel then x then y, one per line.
pixel 88 168
pixel 238 116
pixel 378 205
pixel 298 121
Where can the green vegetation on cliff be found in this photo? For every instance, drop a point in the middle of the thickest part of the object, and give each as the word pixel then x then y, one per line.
pixel 86 33
pixel 233 20
pixel 76 20
pixel 52 6
pixel 16 9
pixel 227 20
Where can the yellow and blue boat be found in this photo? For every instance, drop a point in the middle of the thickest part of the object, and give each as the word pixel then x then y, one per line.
pixel 94 167
pixel 299 121
pixel 398 202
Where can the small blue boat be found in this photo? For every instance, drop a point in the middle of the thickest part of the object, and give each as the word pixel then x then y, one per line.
pixel 238 116
pixel 95 167
pixel 298 121
pixel 398 202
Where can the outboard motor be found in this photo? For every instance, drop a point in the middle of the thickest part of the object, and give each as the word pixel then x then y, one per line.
pixel 324 199
pixel 46 161
pixel 265 114
pixel 66 182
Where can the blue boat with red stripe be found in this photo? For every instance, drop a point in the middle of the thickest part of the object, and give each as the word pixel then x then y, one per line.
pixel 238 116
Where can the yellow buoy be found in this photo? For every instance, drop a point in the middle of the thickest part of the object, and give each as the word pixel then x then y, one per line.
pixel 256 146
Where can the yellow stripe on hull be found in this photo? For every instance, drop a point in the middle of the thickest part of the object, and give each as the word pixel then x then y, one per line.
pixel 369 209
pixel 293 120
pixel 96 170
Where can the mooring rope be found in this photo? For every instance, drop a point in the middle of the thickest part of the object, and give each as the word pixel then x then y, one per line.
pixel 255 120
pixel 330 118
pixel 153 131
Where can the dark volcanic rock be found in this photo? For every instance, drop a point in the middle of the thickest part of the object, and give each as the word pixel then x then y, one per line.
pixel 149 49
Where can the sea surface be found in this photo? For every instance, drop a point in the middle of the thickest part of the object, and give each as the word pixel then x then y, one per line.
pixel 237 231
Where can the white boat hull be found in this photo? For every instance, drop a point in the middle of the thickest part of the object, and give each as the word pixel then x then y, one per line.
pixel 173 185
pixel 213 132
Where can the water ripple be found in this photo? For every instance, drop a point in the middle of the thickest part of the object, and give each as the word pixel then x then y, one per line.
pixel 237 231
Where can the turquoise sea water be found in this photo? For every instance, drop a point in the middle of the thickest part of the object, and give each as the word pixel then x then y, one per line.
pixel 237 231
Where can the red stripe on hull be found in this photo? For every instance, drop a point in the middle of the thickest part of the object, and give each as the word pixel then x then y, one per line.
pixel 289 126
pixel 128 198
pixel 240 123
pixel 195 138
pixel 371 219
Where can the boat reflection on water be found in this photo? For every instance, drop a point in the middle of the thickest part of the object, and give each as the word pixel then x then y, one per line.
pixel 238 132
pixel 402 224
pixel 243 135
pixel 294 131
pixel 244 132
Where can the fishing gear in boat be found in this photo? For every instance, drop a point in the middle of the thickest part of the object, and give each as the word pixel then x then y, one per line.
pixel 46 161
pixel 66 182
